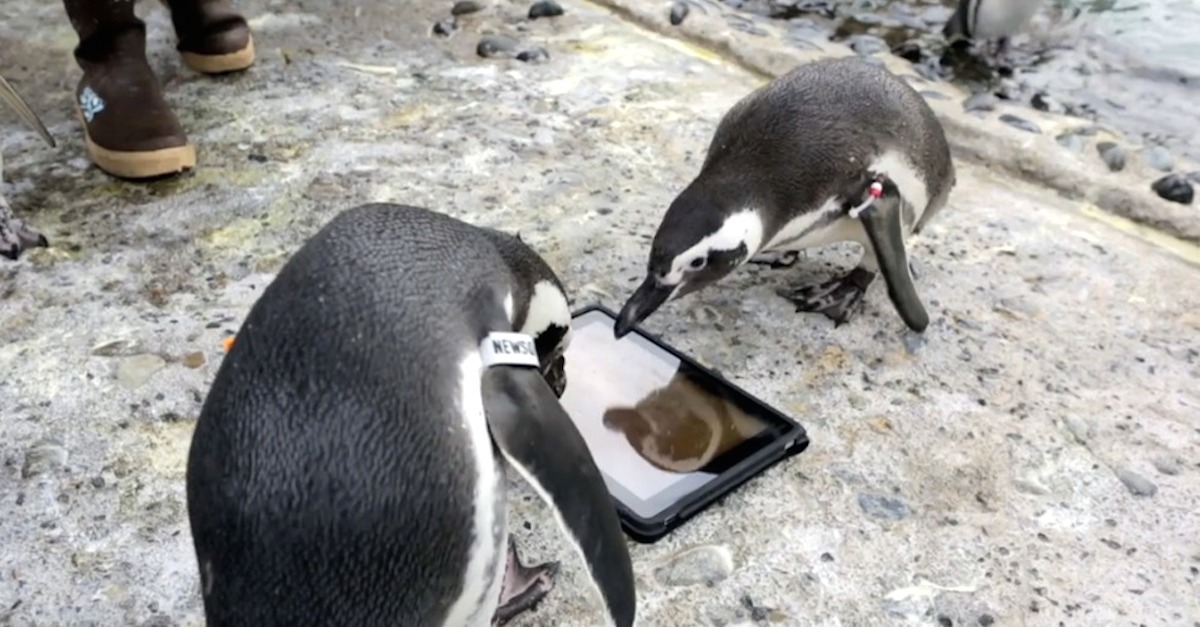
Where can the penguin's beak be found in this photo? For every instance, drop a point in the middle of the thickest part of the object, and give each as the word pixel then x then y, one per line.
pixel 650 295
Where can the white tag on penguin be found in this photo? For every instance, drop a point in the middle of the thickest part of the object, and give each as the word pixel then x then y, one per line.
pixel 508 349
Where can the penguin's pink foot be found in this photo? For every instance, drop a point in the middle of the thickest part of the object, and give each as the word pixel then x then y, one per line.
pixel 524 586
pixel 835 298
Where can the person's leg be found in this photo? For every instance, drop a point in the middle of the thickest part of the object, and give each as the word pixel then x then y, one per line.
pixel 213 37
pixel 130 130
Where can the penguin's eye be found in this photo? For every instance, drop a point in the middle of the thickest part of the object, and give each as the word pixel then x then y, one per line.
pixel 698 263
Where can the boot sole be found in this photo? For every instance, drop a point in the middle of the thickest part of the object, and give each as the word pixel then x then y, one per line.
pixel 139 165
pixel 221 63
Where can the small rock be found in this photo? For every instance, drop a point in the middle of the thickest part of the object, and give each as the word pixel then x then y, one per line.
pixel 494 46
pixel 1137 484
pixel 866 44
pixel 914 342
pixel 45 455
pixel 708 564
pixel 1175 188
pixel 1166 466
pixel 982 101
pixel 534 55
pixel 113 348
pixel 444 28
pixel 1158 158
pixel 881 506
pixel 98 482
pixel 909 51
pixel 1070 141
pixel 545 8
pixel 986 619
pixel 1029 485
pixel 1113 155
pixel 1021 123
pixel 679 13
pixel 1079 428
pixel 465 7
pixel 1042 102
pixel 135 370
pixel 194 360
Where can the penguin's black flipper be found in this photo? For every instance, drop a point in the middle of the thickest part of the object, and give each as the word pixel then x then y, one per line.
pixel 882 221
pixel 14 100
pixel 539 440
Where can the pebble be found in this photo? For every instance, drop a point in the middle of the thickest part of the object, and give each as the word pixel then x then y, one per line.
pixel 707 564
pixel 194 360
pixel 465 7
pixel 679 12
pixel 444 28
pixel 866 44
pixel 545 8
pixel 1021 123
pixel 1158 158
pixel 45 455
pixel 135 370
pixel 1137 484
pixel 982 101
pixel 1112 154
pixel 494 46
pixel 1079 428
pixel 534 55
pixel 1175 188
pixel 1166 466
pixel 881 506
pixel 1071 141
pixel 1043 102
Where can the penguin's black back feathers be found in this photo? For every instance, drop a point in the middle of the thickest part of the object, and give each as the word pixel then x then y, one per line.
pixel 330 446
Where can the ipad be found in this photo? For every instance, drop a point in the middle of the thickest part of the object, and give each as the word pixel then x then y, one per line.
pixel 670 436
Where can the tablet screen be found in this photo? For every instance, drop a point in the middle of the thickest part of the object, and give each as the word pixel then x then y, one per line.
pixel 657 428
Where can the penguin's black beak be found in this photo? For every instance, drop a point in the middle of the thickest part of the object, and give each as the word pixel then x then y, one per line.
pixel 650 295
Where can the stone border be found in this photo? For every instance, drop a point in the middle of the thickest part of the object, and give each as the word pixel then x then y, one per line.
pixel 980 138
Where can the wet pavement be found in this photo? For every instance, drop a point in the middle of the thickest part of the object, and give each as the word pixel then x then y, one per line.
pixel 1031 459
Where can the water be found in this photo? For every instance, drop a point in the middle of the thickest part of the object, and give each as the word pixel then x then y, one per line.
pixel 1127 64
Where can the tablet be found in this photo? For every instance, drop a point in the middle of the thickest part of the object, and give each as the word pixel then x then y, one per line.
pixel 670 436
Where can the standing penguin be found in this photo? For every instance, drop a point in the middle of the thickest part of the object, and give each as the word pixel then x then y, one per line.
pixel 835 150
pixel 347 465
pixel 15 235
pixel 989 20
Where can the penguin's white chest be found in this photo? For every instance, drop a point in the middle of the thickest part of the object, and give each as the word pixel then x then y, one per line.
pixel 483 574
pixel 993 19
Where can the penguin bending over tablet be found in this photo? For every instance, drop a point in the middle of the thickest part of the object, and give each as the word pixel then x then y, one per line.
pixel 835 150
pixel 346 468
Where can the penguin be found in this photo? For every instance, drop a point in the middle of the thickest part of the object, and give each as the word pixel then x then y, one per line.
pixel 989 20
pixel 15 235
pixel 347 466
pixel 834 150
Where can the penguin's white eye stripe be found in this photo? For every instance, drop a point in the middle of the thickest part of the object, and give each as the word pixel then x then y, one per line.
pixel 508 349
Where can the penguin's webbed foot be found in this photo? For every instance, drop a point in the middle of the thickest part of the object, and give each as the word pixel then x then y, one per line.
pixel 836 298
pixel 524 586
pixel 17 237
pixel 776 259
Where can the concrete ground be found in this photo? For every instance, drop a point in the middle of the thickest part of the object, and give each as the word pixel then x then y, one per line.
pixel 1033 459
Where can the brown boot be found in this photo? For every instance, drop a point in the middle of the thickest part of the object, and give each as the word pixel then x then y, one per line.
pixel 130 130
pixel 213 37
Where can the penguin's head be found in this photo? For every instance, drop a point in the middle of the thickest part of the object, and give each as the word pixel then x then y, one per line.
pixel 546 317
pixel 699 242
